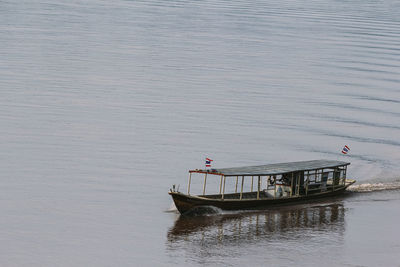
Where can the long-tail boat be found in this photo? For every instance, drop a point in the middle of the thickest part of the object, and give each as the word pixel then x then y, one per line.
pixel 285 183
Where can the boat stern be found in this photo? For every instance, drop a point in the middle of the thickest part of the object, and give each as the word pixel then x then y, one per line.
pixel 349 182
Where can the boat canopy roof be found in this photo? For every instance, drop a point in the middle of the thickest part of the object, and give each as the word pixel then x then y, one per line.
pixel 274 169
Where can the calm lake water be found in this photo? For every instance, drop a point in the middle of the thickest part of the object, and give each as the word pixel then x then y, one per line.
pixel 105 104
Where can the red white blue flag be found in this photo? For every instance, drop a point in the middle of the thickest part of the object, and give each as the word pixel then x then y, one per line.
pixel 345 150
pixel 208 162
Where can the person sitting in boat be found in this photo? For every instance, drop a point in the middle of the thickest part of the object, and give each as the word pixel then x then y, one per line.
pixel 272 180
pixel 285 179
pixel 279 191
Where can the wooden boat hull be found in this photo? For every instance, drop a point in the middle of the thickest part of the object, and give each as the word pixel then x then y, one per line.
pixel 185 203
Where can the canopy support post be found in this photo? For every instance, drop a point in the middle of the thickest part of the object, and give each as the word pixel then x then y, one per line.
pixel 307 182
pixel 291 184
pixel 223 189
pixel 237 178
pixel 252 183
pixel 258 190
pixel 241 190
pixel 220 185
pixel 190 179
pixel 204 185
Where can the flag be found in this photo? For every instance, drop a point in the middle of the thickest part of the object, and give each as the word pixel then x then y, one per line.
pixel 345 150
pixel 208 162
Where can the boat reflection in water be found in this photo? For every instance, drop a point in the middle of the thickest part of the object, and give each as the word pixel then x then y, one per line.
pixel 272 230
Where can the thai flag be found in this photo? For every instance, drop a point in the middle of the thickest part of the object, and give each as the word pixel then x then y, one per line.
pixel 345 150
pixel 208 162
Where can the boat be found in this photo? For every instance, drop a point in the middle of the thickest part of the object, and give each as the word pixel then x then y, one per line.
pixel 268 185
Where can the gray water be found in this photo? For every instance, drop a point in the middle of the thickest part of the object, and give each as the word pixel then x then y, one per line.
pixel 105 104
